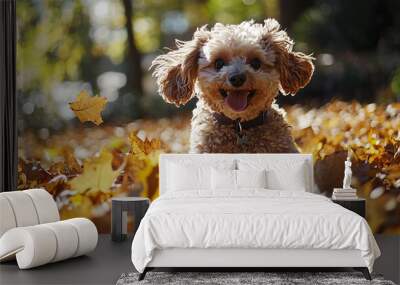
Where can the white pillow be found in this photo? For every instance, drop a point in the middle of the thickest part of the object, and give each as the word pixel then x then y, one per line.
pixel 184 177
pixel 236 179
pixel 223 179
pixel 193 174
pixel 251 178
pixel 282 174
pixel 293 180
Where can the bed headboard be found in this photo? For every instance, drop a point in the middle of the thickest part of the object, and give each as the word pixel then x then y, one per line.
pixel 210 158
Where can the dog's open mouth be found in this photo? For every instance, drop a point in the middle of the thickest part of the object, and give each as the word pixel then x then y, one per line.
pixel 237 100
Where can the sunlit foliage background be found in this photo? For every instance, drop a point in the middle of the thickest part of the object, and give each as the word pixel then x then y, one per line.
pixel 106 46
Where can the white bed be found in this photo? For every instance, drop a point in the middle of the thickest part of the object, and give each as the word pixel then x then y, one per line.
pixel 202 226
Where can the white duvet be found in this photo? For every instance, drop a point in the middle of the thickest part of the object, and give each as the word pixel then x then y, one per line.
pixel 253 218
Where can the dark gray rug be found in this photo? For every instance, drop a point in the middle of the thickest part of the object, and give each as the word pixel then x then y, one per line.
pixel 243 278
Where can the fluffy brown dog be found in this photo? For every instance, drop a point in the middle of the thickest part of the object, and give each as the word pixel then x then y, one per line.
pixel 236 71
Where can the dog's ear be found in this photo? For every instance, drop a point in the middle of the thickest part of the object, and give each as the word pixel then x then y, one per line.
pixel 176 71
pixel 295 71
pixel 295 68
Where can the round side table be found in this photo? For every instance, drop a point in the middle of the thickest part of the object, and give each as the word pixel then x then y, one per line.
pixel 120 207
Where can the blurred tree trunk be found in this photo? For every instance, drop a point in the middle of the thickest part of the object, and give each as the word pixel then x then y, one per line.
pixel 135 73
pixel 290 11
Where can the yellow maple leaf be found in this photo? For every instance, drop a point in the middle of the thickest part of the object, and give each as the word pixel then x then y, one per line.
pixel 97 175
pixel 88 108
pixel 145 149
pixel 142 162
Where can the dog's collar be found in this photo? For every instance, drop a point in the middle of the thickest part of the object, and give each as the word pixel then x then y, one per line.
pixel 239 126
pixel 241 138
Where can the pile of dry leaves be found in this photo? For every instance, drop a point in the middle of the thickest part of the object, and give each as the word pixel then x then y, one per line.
pixel 84 167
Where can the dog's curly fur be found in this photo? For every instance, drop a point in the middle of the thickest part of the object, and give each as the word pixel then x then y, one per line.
pixel 192 70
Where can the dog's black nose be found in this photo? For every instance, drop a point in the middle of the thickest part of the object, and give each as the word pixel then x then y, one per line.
pixel 237 79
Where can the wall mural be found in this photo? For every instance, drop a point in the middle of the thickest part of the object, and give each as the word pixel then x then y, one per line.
pixel 92 125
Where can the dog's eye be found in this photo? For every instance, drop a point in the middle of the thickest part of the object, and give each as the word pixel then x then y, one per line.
pixel 255 63
pixel 219 63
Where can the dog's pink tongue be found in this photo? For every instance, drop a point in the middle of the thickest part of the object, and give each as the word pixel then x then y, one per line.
pixel 237 100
